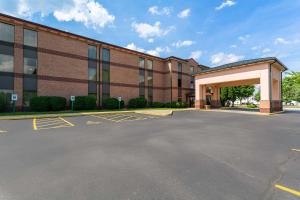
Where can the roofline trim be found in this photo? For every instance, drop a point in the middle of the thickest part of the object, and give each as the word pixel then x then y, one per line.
pixel 212 70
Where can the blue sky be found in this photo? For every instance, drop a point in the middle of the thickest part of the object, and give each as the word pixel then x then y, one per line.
pixel 213 32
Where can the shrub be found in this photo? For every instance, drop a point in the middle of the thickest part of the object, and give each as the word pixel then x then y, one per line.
pixel 85 103
pixel 139 102
pixel 176 104
pixel 251 106
pixel 157 105
pixel 40 103
pixel 2 101
pixel 57 103
pixel 112 103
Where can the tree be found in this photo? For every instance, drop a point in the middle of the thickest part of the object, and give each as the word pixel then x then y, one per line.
pixel 257 96
pixel 237 92
pixel 291 87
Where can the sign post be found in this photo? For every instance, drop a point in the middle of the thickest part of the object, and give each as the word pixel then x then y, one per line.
pixel 14 98
pixel 119 99
pixel 72 102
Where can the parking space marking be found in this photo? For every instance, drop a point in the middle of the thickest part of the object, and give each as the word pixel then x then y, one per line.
pixel 2 131
pixel 92 123
pixel 50 123
pixel 120 117
pixel 289 190
pixel 297 150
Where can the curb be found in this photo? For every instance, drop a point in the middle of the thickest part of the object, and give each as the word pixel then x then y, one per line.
pixel 242 112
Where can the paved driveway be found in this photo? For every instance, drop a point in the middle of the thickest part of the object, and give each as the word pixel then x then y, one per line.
pixel 190 155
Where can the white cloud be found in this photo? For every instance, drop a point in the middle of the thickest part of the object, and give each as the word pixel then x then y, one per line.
pixel 132 46
pixel 158 50
pixel 184 13
pixel 266 50
pixel 147 31
pixel 196 54
pixel 254 48
pixel 280 40
pixel 233 46
pixel 222 58
pixel 226 3
pixel 154 10
pixel 154 52
pixel 244 38
pixel 151 40
pixel 184 43
pixel 89 12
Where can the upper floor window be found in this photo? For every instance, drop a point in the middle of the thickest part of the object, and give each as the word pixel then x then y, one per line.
pixel 105 55
pixel 179 67
pixel 192 69
pixel 30 38
pixel 142 63
pixel 149 64
pixel 7 32
pixel 92 52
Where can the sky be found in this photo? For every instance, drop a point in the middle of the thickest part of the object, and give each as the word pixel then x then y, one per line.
pixel 213 32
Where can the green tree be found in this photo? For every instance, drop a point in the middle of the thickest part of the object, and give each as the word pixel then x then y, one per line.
pixel 257 96
pixel 231 94
pixel 291 87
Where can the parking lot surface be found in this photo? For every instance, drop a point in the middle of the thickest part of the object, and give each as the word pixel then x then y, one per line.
pixel 190 155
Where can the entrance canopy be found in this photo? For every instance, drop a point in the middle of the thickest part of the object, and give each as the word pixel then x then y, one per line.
pixel 264 71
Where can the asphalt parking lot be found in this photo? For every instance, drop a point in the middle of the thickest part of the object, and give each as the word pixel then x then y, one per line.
pixel 190 155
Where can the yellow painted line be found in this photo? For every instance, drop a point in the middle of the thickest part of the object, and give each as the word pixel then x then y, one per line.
pixel 66 121
pixel 34 124
pixel 128 117
pixel 298 150
pixel 289 190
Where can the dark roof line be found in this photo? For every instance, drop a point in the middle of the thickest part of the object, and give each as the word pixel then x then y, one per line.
pixel 243 62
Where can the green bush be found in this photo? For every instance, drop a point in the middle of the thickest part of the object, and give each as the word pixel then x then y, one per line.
pixel 2 102
pixel 40 104
pixel 251 106
pixel 112 103
pixel 85 103
pixel 176 104
pixel 57 103
pixel 157 105
pixel 47 103
pixel 139 102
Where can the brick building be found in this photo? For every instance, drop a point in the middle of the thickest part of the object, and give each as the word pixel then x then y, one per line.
pixel 44 61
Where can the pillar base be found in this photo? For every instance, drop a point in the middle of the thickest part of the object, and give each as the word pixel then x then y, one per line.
pixel 267 106
pixel 199 104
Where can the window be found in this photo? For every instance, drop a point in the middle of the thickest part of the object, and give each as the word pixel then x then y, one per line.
pixel 192 69
pixel 150 64
pixel 6 94
pixel 179 79
pixel 30 66
pixel 7 32
pixel 6 57
pixel 92 52
pixel 192 82
pixel 92 70
pixel 105 73
pixel 30 38
pixel 142 77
